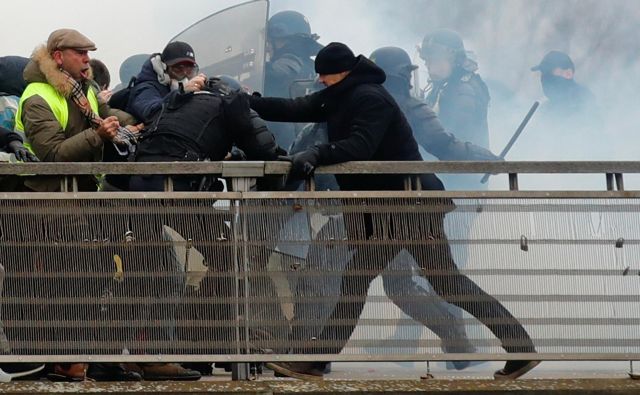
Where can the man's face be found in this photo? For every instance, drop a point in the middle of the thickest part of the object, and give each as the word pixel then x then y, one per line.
pixel 440 68
pixel 557 84
pixel 73 61
pixel 439 61
pixel 182 70
pixel 332 79
pixel 567 74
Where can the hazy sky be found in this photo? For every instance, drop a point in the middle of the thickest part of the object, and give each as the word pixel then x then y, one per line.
pixel 123 28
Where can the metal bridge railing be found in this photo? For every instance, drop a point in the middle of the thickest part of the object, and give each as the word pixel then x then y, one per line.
pixel 316 275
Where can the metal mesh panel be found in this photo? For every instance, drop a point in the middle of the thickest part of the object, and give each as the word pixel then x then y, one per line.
pixel 357 276
pixel 105 276
pixel 565 269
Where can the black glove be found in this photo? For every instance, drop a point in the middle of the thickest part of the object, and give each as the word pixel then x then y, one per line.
pixel 22 154
pixel 237 154
pixel 304 163
pixel 280 151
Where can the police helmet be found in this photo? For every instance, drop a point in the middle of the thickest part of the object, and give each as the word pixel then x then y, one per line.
pixel 286 24
pixel 394 61
pixel 443 43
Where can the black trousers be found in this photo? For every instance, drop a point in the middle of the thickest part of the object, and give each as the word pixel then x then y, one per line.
pixel 427 243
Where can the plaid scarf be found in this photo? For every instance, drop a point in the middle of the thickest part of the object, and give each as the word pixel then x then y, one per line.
pixel 124 141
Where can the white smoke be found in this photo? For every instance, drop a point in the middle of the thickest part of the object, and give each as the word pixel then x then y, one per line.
pixel 508 38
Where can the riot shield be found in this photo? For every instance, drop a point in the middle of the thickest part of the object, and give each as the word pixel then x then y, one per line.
pixel 232 42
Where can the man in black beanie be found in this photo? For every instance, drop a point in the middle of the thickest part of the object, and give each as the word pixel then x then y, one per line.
pixel 365 123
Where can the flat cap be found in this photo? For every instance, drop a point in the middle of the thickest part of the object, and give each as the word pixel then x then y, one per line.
pixel 69 38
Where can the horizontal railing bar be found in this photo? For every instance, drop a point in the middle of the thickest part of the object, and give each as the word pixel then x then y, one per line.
pixel 263 323
pixel 262 300
pixel 587 356
pixel 119 195
pixel 258 168
pixel 267 243
pixel 521 194
pixel 322 273
pixel 322 195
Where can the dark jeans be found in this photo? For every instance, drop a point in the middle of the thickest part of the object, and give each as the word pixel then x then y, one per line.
pixel 427 242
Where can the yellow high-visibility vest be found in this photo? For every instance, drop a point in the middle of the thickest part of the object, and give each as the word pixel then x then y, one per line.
pixel 56 102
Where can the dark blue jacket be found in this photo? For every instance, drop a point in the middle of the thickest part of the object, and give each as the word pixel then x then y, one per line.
pixel 11 80
pixel 147 95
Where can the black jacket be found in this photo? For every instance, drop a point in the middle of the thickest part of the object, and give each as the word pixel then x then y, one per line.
pixel 363 121
pixel 195 126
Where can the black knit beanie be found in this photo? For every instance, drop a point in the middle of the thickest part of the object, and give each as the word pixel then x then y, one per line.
pixel 335 58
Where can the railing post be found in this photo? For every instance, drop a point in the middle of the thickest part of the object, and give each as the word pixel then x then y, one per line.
pixel 310 184
pixel 407 183
pixel 619 181
pixel 417 183
pixel 513 181
pixel 168 184
pixel 64 184
pixel 609 181
pixel 241 371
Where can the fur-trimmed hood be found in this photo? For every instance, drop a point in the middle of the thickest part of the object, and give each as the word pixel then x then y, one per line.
pixel 42 68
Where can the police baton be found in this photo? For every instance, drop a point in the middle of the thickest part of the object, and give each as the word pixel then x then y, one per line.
pixel 515 136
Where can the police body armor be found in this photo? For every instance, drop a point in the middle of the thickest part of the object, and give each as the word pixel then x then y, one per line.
pixel 190 127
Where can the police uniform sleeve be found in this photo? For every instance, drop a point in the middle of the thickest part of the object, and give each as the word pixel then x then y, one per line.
pixel 285 67
pixel 431 135
pixel 258 142
pixel 48 139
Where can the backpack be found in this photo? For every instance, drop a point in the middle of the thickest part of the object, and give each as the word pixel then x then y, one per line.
pixel 120 99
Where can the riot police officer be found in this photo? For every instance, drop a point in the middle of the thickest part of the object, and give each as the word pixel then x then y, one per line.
pixel 290 46
pixel 456 93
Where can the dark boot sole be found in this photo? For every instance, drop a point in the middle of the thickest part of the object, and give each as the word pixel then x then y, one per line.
pixel 165 378
pixel 514 375
pixel 58 378
pixel 291 373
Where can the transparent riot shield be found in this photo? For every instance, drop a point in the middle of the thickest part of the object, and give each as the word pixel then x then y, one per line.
pixel 232 42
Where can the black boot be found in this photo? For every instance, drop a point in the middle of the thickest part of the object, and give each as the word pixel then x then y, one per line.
pixel 111 372
pixel 299 370
pixel 514 369
pixel 205 368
